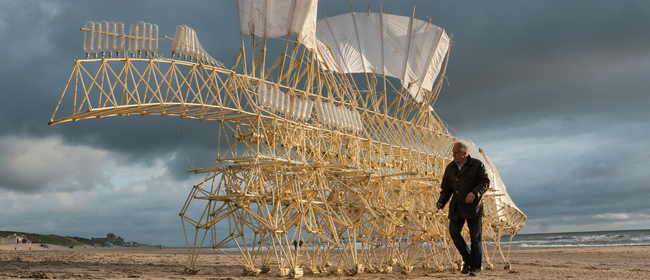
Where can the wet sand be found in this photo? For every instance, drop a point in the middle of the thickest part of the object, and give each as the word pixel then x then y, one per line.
pixel 58 262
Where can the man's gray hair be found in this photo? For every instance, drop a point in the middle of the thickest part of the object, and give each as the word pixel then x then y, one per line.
pixel 462 146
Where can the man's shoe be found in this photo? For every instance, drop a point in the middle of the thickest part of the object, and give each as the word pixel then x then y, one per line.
pixel 465 269
pixel 475 272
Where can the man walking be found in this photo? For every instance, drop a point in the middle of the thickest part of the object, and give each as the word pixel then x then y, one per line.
pixel 465 181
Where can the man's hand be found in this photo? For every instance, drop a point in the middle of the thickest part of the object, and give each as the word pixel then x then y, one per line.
pixel 470 198
pixel 439 205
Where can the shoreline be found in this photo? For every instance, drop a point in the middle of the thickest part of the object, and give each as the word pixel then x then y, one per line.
pixel 60 262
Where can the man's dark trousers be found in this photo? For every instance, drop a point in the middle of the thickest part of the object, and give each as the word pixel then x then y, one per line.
pixel 470 257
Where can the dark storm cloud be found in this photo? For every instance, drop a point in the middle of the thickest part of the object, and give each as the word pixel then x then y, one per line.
pixel 532 60
pixel 555 91
pixel 45 40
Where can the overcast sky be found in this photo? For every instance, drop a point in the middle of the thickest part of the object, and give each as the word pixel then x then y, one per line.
pixel 557 92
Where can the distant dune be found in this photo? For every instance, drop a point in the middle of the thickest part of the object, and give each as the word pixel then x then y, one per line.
pixel 51 238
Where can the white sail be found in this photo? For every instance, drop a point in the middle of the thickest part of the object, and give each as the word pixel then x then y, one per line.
pixel 402 47
pixel 277 18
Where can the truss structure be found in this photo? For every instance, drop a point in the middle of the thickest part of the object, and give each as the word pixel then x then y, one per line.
pixel 360 200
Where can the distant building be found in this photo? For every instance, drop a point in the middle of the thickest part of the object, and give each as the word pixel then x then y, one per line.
pixel 109 238
pixel 8 240
pixel 14 239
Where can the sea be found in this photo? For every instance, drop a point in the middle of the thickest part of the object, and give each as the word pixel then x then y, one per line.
pixel 581 239
pixel 562 239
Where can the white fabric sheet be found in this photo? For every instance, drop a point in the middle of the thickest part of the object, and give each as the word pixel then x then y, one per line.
pixel 277 18
pixel 409 49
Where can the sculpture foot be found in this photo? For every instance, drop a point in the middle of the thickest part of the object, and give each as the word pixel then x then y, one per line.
pixel 190 270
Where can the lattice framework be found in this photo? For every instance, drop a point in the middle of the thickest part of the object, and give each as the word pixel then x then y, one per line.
pixel 278 179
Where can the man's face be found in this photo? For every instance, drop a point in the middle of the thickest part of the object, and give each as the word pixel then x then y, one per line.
pixel 459 156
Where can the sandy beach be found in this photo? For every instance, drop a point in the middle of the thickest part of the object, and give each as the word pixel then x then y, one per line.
pixel 58 262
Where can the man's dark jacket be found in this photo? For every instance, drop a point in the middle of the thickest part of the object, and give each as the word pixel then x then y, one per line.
pixel 456 184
